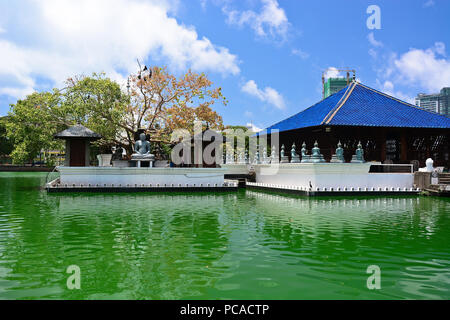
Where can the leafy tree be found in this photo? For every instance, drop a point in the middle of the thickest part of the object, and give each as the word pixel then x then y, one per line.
pixel 31 125
pixel 163 101
pixel 6 145
pixel 156 102
pixel 243 128
pixel 98 103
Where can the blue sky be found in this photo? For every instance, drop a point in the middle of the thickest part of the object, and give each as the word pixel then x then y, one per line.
pixel 268 55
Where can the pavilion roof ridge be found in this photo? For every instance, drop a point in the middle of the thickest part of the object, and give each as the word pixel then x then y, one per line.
pixel 340 103
pixel 359 105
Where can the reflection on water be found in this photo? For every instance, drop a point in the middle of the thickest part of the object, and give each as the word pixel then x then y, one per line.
pixel 244 245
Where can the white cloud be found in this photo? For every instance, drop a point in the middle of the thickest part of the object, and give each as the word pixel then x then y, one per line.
pixel 389 88
pixel 16 92
pixel 300 53
pixel 271 20
pixel 72 37
pixel 331 72
pixel 429 3
pixel 416 70
pixel 372 40
pixel 268 94
pixel 439 47
pixel 248 114
pixel 253 128
pixel 2 30
pixel 424 68
pixel 373 53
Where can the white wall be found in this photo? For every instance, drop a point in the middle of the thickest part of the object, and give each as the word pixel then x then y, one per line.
pixel 235 168
pixel 331 175
pixel 139 176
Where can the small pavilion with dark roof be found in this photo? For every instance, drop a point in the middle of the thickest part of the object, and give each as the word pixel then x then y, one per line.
pixel 78 140
pixel 391 130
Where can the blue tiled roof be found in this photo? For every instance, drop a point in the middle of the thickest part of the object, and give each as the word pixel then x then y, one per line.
pixel 359 105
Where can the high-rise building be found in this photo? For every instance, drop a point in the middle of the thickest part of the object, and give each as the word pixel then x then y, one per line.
pixel 436 102
pixel 333 85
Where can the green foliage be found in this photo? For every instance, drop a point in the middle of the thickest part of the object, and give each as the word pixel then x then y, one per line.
pixel 50 161
pixel 31 125
pixel 95 102
pixel 166 150
pixel 6 145
pixel 243 128
pixel 98 103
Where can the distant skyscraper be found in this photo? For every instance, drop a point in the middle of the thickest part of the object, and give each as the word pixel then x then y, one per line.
pixel 333 85
pixel 436 102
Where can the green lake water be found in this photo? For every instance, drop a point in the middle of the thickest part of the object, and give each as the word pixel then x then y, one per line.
pixel 243 245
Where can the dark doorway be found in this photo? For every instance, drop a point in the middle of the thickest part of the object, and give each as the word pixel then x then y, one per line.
pixel 77 153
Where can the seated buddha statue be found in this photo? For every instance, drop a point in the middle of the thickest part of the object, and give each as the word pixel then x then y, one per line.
pixel 142 148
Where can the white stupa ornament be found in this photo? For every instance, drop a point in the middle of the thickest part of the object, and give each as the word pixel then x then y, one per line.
pixel 429 165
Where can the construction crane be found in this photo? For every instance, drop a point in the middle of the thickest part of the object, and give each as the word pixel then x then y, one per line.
pixel 347 71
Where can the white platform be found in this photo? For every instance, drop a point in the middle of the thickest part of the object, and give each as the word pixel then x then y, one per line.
pixel 140 176
pixel 236 168
pixel 331 175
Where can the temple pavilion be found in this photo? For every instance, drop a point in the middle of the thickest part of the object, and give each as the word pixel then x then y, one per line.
pixel 390 130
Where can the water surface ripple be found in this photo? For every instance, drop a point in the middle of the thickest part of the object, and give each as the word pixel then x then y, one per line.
pixel 245 245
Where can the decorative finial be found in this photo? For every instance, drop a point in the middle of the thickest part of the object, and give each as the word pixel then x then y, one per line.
pixel 294 156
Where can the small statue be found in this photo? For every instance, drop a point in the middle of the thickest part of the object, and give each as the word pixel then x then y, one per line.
pixel 339 156
pixel 358 157
pixel 241 158
pixel 274 156
pixel 229 158
pixel 246 159
pixel 360 152
pixel 305 155
pixel 257 160
pixel 294 156
pixel 284 158
pixel 316 156
pixel 142 148
pixel 264 156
